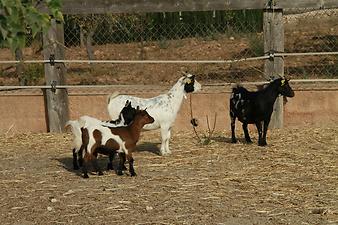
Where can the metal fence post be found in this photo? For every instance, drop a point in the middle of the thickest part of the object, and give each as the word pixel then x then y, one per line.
pixel 274 66
pixel 56 100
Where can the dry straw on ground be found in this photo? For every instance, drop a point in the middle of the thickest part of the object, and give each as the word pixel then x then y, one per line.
pixel 294 180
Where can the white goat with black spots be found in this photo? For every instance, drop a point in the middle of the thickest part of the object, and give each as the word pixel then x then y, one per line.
pixel 162 108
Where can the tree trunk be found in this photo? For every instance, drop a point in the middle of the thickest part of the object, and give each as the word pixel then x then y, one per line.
pixel 20 68
pixel 82 38
pixel 89 46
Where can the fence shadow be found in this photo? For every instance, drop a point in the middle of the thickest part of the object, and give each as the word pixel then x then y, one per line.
pixel 223 139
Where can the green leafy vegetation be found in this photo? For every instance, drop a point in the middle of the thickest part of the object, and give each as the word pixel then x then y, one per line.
pixel 124 28
pixel 21 17
pixel 256 45
pixel 33 74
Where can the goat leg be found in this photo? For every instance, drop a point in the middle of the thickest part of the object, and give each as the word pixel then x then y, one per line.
pixel 123 155
pixel 80 157
pixel 111 158
pixel 233 135
pixel 120 165
pixel 265 129
pixel 246 133
pixel 259 129
pixel 84 167
pixel 131 165
pixel 96 165
pixel 75 164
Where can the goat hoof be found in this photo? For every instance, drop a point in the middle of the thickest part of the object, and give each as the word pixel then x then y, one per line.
pixel 233 141
pixel 119 173
pixel 165 153
pixel 249 141
pixel 100 173
pixel 85 176
pixel 262 144
pixel 133 174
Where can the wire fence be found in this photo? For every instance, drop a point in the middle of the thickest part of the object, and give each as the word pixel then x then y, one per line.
pixel 213 45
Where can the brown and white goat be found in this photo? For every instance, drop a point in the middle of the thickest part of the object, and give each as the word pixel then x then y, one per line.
pixel 98 139
pixel 126 116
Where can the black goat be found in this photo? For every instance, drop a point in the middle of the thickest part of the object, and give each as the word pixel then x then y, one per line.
pixel 256 107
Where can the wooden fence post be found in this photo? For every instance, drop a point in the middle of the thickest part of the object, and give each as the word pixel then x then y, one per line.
pixel 274 42
pixel 56 100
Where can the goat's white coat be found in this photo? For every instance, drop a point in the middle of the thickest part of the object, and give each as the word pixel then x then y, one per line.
pixel 106 135
pixel 86 122
pixel 162 108
pixel 75 127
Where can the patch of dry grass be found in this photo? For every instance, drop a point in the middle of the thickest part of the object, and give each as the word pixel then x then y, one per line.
pixel 294 180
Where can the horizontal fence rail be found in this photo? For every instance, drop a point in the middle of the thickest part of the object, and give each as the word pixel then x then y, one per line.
pixel 271 55
pixel 296 81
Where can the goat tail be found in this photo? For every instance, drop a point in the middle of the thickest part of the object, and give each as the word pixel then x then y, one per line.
pixel 75 127
pixel 112 96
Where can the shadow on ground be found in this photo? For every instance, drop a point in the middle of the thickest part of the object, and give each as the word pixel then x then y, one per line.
pixel 67 164
pixel 148 147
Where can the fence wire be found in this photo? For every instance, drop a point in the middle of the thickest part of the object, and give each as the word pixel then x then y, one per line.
pixel 214 35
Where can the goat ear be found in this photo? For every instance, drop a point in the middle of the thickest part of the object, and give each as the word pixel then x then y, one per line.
pixel 138 107
pixel 185 73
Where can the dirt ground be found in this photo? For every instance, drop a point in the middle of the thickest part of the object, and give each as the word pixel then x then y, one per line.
pixel 294 180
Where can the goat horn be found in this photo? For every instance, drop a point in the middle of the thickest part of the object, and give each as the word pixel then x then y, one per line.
pixel 274 77
pixel 185 73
